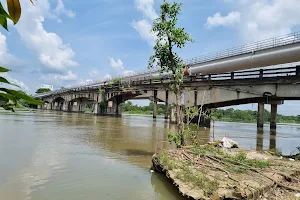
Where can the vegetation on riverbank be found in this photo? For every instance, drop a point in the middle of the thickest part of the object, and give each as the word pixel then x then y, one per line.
pixel 212 172
pixel 129 108
pixel 228 115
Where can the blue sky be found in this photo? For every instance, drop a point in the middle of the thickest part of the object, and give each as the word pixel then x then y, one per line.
pixel 66 42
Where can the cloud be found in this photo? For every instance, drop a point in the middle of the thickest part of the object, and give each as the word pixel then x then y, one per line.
pixel 21 84
pixel 266 19
pixel 49 48
pixel 143 27
pixel 128 73
pixel 118 64
pixel 146 7
pixel 261 19
pixel 7 60
pixel 60 9
pixel 217 19
pixel 94 72
pixel 58 78
pixel 70 76
pixel 107 76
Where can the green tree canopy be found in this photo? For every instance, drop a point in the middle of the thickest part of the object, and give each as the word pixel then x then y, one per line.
pixel 42 90
pixel 170 38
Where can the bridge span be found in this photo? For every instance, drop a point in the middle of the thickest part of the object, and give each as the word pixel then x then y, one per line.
pixel 216 80
pixel 262 86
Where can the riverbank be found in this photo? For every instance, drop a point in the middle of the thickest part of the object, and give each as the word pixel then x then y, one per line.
pixel 210 172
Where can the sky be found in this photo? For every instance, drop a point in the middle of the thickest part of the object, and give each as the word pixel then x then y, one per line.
pixel 69 42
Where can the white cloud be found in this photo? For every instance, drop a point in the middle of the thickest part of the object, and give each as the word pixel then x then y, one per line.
pixel 116 64
pixel 21 84
pixel 263 19
pixel 146 7
pixel 70 76
pixel 107 76
pixel 267 19
pixel 128 73
pixel 143 27
pixel 217 19
pixel 94 72
pixel 7 60
pixel 51 51
pixel 60 9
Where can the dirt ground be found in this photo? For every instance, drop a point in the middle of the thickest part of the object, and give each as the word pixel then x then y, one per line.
pixel 211 172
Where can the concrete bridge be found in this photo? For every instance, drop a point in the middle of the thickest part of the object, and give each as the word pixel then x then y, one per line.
pixel 231 86
pixel 263 86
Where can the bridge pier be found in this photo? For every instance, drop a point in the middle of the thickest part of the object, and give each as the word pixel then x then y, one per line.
pixel 273 116
pixel 173 115
pixel 167 105
pixel 114 108
pixel 260 115
pixel 95 108
pixel 65 106
pixel 155 104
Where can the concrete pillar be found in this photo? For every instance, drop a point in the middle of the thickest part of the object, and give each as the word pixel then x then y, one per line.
pixel 167 105
pixel 82 106
pixel 96 108
pixel 260 115
pixel 173 115
pixel 155 104
pixel 272 146
pixel 273 116
pixel 259 140
pixel 65 106
pixel 205 121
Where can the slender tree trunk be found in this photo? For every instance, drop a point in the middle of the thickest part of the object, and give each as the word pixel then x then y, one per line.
pixel 179 117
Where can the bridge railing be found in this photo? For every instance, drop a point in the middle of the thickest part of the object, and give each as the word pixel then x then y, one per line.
pixel 247 48
pixel 259 74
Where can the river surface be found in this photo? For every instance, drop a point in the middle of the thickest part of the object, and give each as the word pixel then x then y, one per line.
pixel 61 156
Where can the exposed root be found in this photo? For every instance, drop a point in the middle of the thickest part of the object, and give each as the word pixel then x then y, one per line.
pixel 255 170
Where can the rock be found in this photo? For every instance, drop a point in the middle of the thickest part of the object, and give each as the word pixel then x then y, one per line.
pixel 229 143
pixel 297 195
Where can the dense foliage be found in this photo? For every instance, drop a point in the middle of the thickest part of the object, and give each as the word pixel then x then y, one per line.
pixel 42 90
pixel 229 115
pixel 232 115
pixel 129 108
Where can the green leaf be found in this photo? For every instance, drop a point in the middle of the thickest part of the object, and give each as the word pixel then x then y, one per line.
pixel 4 16
pixel 8 98
pixel 3 80
pixel 8 107
pixel 3 22
pixel 2 69
pixel 18 94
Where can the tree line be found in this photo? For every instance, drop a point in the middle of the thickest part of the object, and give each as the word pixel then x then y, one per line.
pixel 229 115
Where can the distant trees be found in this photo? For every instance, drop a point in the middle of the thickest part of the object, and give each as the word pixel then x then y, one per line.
pixel 232 115
pixel 129 108
pixel 42 90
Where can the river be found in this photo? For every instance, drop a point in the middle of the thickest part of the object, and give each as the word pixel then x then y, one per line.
pixel 57 155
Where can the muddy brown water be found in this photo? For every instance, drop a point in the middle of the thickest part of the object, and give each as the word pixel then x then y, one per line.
pixel 56 155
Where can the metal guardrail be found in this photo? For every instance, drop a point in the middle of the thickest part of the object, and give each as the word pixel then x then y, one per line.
pixel 247 48
pixel 258 74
